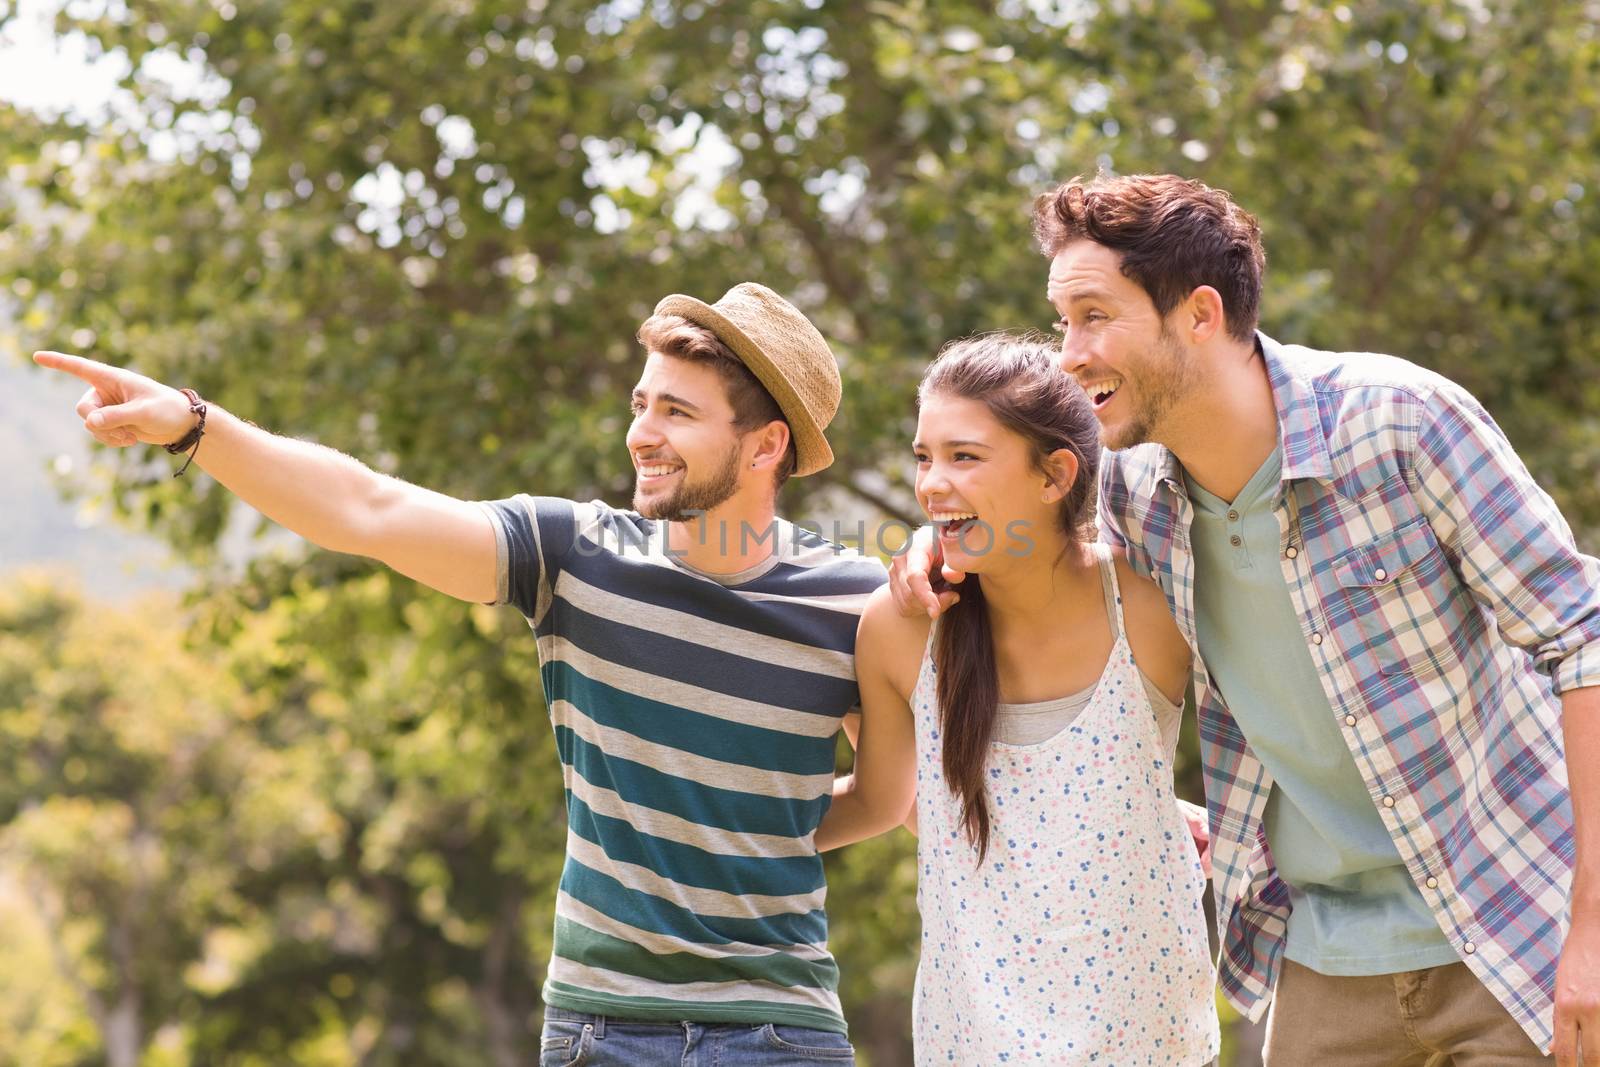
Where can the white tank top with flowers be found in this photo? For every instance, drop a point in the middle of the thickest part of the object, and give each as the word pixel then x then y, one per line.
pixel 1081 937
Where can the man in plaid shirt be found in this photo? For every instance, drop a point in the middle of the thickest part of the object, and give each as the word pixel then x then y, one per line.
pixel 1399 650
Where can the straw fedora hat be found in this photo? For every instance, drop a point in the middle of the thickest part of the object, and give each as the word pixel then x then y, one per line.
pixel 785 353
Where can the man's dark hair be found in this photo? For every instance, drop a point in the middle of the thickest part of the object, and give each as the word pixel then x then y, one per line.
pixel 753 407
pixel 1174 235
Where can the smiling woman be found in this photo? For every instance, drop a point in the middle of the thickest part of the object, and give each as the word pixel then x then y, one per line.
pixel 1004 437
pixel 1035 723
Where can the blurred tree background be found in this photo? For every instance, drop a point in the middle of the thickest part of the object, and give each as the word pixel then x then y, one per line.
pixel 311 814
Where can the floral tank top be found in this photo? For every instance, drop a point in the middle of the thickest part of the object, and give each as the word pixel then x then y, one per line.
pixel 1081 937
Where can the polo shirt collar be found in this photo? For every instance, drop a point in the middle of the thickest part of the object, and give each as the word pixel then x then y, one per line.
pixel 1301 442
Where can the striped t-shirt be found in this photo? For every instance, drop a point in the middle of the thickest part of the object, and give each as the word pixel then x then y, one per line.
pixel 695 717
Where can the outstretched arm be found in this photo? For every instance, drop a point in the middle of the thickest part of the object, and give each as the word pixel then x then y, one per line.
pixel 323 495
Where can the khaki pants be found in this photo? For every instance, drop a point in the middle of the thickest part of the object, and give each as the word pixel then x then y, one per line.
pixel 1430 1018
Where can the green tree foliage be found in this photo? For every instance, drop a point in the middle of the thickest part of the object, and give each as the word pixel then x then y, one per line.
pixel 425 232
pixel 111 766
pixel 275 855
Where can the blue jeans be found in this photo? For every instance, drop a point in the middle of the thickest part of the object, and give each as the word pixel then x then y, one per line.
pixel 576 1039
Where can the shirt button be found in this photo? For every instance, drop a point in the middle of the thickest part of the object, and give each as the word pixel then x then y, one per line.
pixel 1349 720
pixel 1233 516
pixel 1388 802
pixel 1432 882
pixel 1469 948
pixel 1291 552
pixel 1235 541
pixel 1380 574
pixel 1316 639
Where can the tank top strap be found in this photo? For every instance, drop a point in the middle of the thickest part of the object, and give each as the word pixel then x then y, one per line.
pixel 925 670
pixel 1112 591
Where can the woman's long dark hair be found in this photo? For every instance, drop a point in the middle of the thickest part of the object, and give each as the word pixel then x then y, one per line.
pixel 1018 380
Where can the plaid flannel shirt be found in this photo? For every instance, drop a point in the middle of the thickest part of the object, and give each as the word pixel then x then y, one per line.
pixel 1442 597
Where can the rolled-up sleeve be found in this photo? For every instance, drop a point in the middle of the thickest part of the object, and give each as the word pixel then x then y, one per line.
pixel 1510 542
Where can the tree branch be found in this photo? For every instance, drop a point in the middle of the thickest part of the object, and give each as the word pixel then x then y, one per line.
pixel 50 919
pixel 1427 198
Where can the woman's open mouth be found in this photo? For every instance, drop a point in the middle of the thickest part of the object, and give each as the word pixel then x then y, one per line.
pixel 953 524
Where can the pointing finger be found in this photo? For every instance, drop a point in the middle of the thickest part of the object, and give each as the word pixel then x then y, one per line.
pixel 96 374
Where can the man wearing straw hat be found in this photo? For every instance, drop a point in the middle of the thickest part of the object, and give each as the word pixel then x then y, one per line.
pixel 697 661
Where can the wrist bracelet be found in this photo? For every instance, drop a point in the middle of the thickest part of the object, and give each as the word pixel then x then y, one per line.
pixel 190 442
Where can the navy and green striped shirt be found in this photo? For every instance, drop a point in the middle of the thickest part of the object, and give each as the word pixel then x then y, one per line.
pixel 695 716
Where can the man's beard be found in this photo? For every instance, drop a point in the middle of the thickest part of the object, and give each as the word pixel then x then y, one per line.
pixel 1159 383
pixel 693 498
